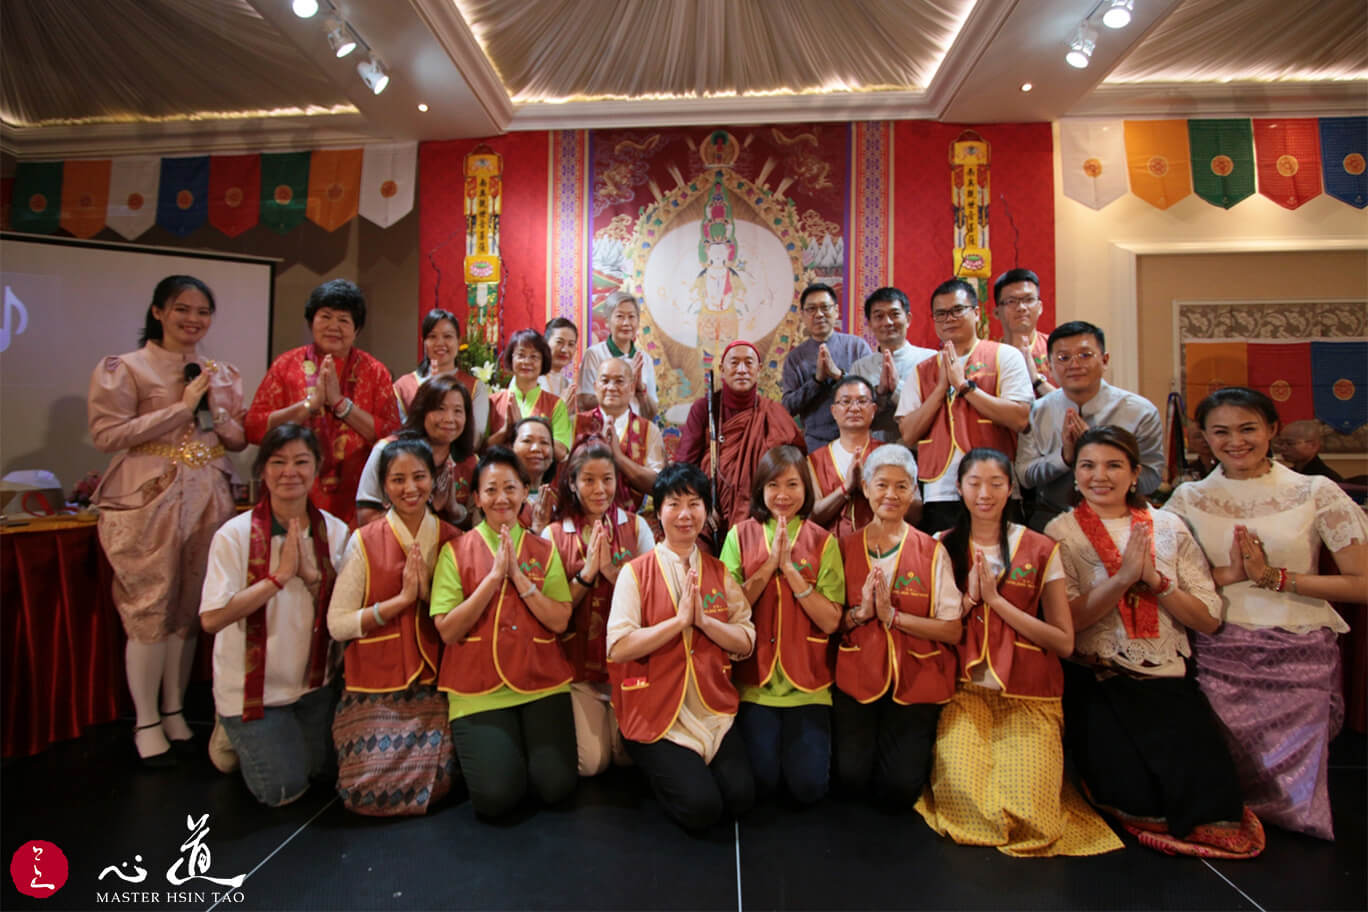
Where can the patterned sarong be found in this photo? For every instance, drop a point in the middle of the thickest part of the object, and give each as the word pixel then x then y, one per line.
pixel 394 751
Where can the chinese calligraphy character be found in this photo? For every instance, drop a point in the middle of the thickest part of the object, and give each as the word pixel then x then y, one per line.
pixel 198 859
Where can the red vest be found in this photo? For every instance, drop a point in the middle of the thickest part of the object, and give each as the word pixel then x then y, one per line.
pixel 585 643
pixel 959 421
pixel 871 658
pixel 543 407
pixel 507 645
pixel 857 513
pixel 648 692
pixel 407 648
pixel 1020 666
pixel 593 423
pixel 783 631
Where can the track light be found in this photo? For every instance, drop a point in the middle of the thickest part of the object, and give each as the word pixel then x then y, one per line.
pixel 305 9
pixel 373 74
pixel 1081 46
pixel 1119 14
pixel 340 38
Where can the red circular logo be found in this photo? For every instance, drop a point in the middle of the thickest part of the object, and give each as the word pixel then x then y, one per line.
pixel 1343 389
pixel 135 201
pixel 1092 167
pixel 1222 165
pixel 1157 165
pixel 37 202
pixel 86 201
pixel 334 192
pixel 38 869
pixel 1288 165
pixel 1353 163
pixel 233 197
pixel 185 199
pixel 283 194
pixel 388 189
pixel 1280 390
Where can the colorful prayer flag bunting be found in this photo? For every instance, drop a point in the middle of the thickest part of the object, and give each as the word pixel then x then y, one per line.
pixel 1158 160
pixel 1344 150
pixel 183 196
pixel 1094 159
pixel 1288 157
pixel 388 176
pixel 1282 370
pixel 133 186
pixel 85 197
pixel 37 202
pixel 1222 160
pixel 234 192
pixel 284 190
pixel 1339 373
pixel 334 187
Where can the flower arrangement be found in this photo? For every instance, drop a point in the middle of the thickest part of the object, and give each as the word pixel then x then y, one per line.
pixel 480 358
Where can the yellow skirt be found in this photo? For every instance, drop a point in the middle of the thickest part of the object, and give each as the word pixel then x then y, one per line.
pixel 997 779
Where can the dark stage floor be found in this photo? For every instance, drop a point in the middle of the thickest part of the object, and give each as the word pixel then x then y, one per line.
pixel 612 849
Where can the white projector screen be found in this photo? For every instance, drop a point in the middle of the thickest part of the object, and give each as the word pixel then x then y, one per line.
pixel 69 304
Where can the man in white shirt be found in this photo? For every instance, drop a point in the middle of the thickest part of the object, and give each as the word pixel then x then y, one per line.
pixel 888 312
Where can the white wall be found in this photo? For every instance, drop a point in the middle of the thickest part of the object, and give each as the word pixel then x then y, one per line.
pixel 1095 250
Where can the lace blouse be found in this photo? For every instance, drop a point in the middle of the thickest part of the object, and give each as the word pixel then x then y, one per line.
pixel 1176 555
pixel 1294 515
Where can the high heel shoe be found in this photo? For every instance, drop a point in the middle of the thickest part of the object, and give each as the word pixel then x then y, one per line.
pixel 180 745
pixel 162 760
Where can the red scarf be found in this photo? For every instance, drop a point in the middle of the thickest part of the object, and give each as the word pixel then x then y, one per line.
pixel 258 567
pixel 1139 606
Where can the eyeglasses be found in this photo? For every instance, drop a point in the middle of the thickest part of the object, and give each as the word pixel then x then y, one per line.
pixel 821 308
pixel 1026 301
pixel 845 402
pixel 1082 357
pixel 954 313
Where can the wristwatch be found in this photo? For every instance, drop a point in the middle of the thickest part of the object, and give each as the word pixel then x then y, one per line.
pixel 968 387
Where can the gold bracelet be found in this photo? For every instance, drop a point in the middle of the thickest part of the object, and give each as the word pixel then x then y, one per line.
pixel 1268 579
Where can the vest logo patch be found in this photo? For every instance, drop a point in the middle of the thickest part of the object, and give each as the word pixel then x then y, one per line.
pixel 1022 576
pixel 712 598
pixel 902 585
pixel 975 368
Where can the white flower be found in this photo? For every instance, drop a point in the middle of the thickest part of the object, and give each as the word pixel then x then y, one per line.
pixel 484 371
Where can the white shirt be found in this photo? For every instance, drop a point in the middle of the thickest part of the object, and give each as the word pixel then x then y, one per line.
pixel 289 616
pixel 597 354
pixel 1014 384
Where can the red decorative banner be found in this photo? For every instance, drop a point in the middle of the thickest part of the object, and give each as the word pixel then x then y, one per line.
pixel 1282 370
pixel 1287 153
pixel 234 192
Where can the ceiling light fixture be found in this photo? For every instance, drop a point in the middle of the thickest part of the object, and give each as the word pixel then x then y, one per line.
pixel 1119 14
pixel 340 37
pixel 1081 46
pixel 373 73
pixel 1026 87
pixel 422 107
pixel 305 9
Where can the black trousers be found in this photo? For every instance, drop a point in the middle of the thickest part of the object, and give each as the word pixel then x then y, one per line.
pixel 792 743
pixel 503 750
pixel 883 746
pixel 694 793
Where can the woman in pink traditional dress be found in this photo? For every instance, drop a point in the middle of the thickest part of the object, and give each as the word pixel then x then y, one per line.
pixel 441 344
pixel 1272 672
pixel 342 394
pixel 1142 736
pixel 170 414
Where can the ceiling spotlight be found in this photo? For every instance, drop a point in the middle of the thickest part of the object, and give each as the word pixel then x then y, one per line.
pixel 1119 15
pixel 305 9
pixel 1026 87
pixel 340 37
pixel 422 107
pixel 1081 46
pixel 373 74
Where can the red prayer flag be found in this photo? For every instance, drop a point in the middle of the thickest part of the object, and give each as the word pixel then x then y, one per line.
pixel 1287 154
pixel 234 192
pixel 1283 371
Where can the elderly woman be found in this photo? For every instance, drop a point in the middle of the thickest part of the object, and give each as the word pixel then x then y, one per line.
pixel 266 591
pixel 169 413
pixel 528 356
pixel 441 344
pixel 624 319
pixel 343 394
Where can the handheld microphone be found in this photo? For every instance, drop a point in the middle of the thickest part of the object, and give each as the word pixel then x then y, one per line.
pixel 204 419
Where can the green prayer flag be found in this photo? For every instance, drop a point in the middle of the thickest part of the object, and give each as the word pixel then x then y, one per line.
pixel 1222 160
pixel 284 190
pixel 37 204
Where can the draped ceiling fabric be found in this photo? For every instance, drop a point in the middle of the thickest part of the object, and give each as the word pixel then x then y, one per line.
pixel 1213 40
pixel 546 49
pixel 70 62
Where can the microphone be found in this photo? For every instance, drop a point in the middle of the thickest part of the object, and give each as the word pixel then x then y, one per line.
pixel 203 418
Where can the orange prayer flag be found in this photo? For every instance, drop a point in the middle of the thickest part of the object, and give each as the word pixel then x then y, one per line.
pixel 1159 161
pixel 1214 365
pixel 85 196
pixel 334 187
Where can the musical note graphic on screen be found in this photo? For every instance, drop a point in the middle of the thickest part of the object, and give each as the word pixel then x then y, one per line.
pixel 12 305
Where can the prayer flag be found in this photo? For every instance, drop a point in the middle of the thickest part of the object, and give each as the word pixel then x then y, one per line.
pixel 183 197
pixel 1344 146
pixel 85 197
pixel 1214 365
pixel 1158 160
pixel 1288 156
pixel 334 187
pixel 1094 159
pixel 1282 370
pixel 1339 372
pixel 133 185
pixel 234 192
pixel 37 197
pixel 284 189
pixel 388 174
pixel 1222 160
